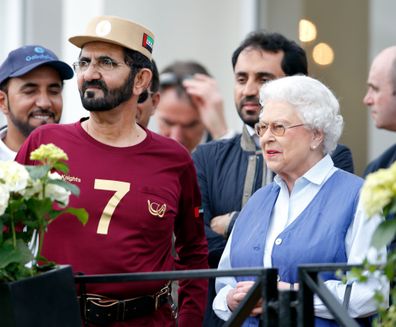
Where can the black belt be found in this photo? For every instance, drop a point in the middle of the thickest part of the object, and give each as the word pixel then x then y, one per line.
pixel 101 310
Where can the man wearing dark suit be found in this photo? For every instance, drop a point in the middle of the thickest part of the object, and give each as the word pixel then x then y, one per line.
pixel 381 100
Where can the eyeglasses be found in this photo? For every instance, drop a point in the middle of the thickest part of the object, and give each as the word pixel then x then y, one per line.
pixel 277 129
pixel 102 64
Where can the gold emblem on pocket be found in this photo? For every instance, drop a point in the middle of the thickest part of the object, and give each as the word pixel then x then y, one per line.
pixel 156 209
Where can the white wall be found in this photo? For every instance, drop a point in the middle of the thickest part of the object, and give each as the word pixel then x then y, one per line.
pixel 11 25
pixel 74 22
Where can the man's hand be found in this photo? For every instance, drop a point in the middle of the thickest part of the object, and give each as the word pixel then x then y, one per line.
pixel 237 294
pixel 219 224
pixel 206 96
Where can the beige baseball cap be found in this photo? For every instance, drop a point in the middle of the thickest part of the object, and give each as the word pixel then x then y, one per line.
pixel 119 31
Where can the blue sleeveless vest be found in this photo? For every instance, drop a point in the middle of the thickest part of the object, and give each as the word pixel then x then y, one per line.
pixel 316 236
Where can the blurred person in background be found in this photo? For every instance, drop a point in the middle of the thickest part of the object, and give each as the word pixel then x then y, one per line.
pixel 381 101
pixel 191 107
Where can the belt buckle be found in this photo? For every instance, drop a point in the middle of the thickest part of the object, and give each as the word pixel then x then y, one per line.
pixel 100 300
pixel 162 291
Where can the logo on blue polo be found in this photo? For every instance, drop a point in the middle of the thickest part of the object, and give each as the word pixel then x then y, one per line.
pixel 39 50
pixel 39 56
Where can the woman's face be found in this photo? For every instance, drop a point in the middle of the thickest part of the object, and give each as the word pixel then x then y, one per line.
pixel 292 154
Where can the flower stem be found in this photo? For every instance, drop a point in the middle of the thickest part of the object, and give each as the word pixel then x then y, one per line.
pixel 41 239
pixel 13 232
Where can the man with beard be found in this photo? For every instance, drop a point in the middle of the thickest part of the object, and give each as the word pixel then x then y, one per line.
pixel 230 171
pixel 137 186
pixel 31 82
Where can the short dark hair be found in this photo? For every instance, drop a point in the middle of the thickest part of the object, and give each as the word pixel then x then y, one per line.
pixel 294 60
pixel 136 60
pixel 4 85
pixel 172 76
pixel 154 87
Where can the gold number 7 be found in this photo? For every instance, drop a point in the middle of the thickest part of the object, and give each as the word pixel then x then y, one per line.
pixel 120 189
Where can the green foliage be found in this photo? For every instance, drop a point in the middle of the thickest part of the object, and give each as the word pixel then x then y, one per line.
pixel 31 197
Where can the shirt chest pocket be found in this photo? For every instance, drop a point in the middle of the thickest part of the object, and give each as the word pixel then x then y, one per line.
pixel 159 203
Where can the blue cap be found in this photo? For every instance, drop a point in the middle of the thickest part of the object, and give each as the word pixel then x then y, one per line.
pixel 24 59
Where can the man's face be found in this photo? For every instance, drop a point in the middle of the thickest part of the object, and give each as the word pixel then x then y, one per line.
pixel 102 89
pixel 253 68
pixel 381 93
pixel 179 119
pixel 33 99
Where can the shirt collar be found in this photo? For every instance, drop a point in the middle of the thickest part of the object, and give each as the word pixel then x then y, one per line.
pixel 253 135
pixel 318 174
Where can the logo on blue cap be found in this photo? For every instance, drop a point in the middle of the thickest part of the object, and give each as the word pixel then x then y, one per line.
pixel 39 56
pixel 39 50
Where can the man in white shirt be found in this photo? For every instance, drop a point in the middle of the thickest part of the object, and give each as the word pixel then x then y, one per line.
pixel 31 83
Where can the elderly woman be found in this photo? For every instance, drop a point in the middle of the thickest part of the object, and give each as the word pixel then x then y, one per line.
pixel 311 211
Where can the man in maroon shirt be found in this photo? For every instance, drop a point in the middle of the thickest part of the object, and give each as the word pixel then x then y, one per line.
pixel 138 187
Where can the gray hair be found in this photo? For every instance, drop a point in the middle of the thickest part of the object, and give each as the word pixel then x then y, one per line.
pixel 315 103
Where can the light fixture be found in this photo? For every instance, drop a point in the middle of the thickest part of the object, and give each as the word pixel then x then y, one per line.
pixel 306 30
pixel 323 54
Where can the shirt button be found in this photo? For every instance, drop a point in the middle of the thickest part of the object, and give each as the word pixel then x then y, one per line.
pixel 278 241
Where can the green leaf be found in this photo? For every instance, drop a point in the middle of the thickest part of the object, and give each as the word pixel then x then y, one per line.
pixel 384 233
pixel 80 213
pixel 392 208
pixel 21 254
pixel 37 172
pixel 61 166
pixel 74 189
pixel 40 207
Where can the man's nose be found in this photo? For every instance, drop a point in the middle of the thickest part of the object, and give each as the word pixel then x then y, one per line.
pixel 43 101
pixel 368 99
pixel 251 89
pixel 176 133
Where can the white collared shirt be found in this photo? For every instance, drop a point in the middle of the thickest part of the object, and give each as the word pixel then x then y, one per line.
pixel 5 152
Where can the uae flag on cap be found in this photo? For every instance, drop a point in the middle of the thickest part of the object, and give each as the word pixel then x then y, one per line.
pixel 148 42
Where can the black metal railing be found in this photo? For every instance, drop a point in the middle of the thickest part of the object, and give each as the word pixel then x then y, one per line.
pixel 280 308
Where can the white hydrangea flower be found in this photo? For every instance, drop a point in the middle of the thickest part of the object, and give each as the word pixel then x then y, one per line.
pixel 379 190
pixel 14 176
pixel 57 193
pixel 33 188
pixel 4 196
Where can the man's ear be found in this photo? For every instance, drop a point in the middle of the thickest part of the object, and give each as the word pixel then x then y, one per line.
pixel 142 80
pixel 4 102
